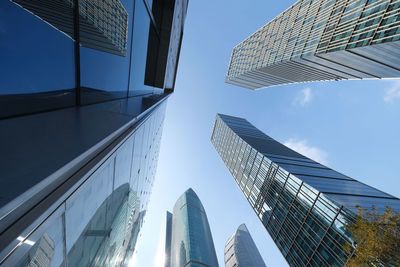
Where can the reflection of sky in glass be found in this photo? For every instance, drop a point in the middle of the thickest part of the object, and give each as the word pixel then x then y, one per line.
pixel 102 218
pixel 48 249
pixel 105 71
pixel 79 211
pixel 45 56
pixel 34 56
pixel 139 53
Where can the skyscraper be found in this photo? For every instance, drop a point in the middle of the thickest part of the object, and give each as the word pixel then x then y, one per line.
pixel 303 205
pixel 80 132
pixel 241 251
pixel 168 236
pixel 321 40
pixel 190 242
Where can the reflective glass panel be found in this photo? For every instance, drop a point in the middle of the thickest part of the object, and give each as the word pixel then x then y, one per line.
pixel 143 32
pixel 87 223
pixel 105 36
pixel 43 247
pixel 36 56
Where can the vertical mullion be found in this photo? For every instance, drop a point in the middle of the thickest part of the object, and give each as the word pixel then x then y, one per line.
pixel 304 220
pixel 380 22
pixel 77 55
pixel 130 56
pixel 64 237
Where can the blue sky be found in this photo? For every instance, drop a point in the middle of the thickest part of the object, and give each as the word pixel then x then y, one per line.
pixel 351 126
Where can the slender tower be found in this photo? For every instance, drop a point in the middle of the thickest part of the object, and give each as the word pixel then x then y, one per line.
pixel 321 40
pixel 241 251
pixel 190 242
pixel 303 205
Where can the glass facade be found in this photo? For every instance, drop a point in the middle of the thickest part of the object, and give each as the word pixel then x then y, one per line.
pixel 64 53
pixel 81 125
pixel 321 40
pixel 168 236
pixel 189 241
pixel 241 251
pixel 97 224
pixel 303 205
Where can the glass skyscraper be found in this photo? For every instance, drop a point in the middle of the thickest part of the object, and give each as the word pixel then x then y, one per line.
pixel 303 205
pixel 80 127
pixel 188 235
pixel 321 40
pixel 241 251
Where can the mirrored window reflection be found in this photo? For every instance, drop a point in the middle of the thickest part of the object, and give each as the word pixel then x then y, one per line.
pixel 44 247
pixel 143 32
pixel 123 163
pixel 88 222
pixel 100 222
pixel 48 250
pixel 105 37
pixel 37 56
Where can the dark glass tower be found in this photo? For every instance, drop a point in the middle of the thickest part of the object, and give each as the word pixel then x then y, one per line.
pixel 188 235
pixel 82 101
pixel 303 205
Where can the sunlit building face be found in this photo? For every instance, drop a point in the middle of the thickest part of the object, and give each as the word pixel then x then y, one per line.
pixel 321 40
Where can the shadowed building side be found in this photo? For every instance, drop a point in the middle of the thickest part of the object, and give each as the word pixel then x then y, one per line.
pixel 241 251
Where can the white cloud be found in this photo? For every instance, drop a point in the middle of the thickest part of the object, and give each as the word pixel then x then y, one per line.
pixel 392 92
pixel 303 97
pixel 302 147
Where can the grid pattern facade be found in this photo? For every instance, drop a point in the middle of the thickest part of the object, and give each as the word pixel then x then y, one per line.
pixel 300 39
pixel 303 205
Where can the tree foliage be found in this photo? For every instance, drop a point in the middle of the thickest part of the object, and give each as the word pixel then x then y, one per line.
pixel 376 238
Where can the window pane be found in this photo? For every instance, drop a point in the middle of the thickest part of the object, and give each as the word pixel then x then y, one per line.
pixel 143 32
pixel 105 32
pixel 37 56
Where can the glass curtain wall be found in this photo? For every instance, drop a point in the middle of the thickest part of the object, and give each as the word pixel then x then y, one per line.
pixel 104 230
pixel 303 205
pixel 61 53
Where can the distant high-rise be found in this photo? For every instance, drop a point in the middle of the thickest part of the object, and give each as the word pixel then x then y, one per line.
pixel 188 236
pixel 168 236
pixel 321 40
pixel 241 251
pixel 303 205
